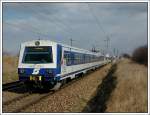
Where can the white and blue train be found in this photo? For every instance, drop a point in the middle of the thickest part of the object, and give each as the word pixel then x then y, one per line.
pixel 49 64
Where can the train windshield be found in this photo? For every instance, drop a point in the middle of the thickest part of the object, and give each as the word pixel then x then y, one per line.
pixel 38 55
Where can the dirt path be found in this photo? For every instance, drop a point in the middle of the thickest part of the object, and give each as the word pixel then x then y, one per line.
pixel 10 64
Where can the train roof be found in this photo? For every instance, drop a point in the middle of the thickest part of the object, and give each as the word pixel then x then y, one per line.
pixel 64 45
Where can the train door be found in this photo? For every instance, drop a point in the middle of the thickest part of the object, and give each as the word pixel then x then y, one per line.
pixel 59 58
pixel 63 63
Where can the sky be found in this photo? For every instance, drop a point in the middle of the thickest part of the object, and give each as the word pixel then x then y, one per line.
pixel 88 24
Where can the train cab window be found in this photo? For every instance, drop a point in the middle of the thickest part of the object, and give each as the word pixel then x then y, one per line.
pixel 38 55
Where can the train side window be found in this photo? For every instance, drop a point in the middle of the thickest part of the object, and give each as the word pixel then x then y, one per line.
pixel 76 58
pixel 66 57
pixel 83 58
pixel 72 58
pixel 69 59
pixel 80 58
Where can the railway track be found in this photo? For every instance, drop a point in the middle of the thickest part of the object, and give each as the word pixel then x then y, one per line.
pixel 11 85
pixel 24 101
pixel 21 102
pixel 16 98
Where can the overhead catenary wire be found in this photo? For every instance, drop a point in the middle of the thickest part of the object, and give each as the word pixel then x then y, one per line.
pixel 56 21
pixel 57 25
pixel 98 21
pixel 25 28
pixel 56 18
pixel 30 27
pixel 66 25
pixel 107 40
pixel 35 29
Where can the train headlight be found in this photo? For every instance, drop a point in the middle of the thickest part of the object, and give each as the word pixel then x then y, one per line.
pixel 37 43
pixel 21 71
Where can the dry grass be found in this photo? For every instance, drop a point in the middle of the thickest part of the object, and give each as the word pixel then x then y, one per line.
pixel 131 93
pixel 98 102
pixel 9 68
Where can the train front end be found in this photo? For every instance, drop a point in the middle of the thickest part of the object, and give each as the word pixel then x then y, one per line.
pixel 38 63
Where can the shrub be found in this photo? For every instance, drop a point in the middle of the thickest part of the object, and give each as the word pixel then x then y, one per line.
pixel 140 55
pixel 126 55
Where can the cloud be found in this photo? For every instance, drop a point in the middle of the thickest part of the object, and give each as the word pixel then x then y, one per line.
pixel 125 23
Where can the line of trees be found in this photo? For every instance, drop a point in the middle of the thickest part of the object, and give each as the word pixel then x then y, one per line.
pixel 139 55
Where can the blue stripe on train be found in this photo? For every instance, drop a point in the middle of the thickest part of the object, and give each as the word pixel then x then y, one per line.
pixel 42 72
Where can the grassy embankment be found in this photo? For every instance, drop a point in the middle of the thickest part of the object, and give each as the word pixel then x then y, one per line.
pixel 9 68
pixel 131 92
pixel 124 89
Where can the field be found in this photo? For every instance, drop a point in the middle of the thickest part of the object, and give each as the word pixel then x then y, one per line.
pixel 123 88
pixel 131 92
pixel 9 68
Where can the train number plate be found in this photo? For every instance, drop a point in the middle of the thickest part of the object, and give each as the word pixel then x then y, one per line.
pixel 35 78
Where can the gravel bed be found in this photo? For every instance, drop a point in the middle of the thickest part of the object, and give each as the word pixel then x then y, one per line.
pixel 13 93
pixel 19 103
pixel 72 98
pixel 7 96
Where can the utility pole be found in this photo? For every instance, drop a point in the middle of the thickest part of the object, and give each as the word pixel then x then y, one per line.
pixel 71 40
pixel 93 48
pixel 117 52
pixel 107 42
pixel 114 51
